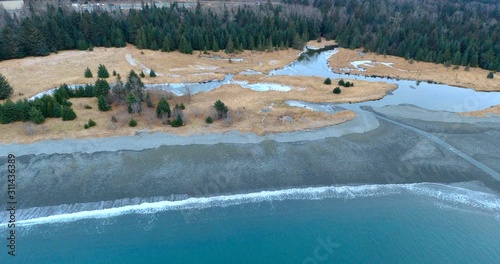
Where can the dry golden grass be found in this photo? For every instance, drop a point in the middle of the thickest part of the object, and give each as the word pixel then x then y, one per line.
pixel 245 116
pixel 312 89
pixel 494 110
pixel 32 75
pixel 475 78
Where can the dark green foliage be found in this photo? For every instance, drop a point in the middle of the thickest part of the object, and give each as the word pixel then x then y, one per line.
pixel 133 104
pixel 162 108
pixel 142 74
pixel 114 73
pixel 490 75
pixel 88 107
pixel 5 88
pixel 67 113
pixel 209 120
pixel 437 34
pixel 132 123
pixel 86 126
pixel 337 90
pixel 327 81
pixel 8 114
pixel 177 122
pixel 91 123
pixel 182 106
pixel 102 104
pixel 36 116
pixel 152 73
pixel 113 119
pixel 102 72
pixel 88 73
pixel 101 88
pixel 345 84
pixel 221 109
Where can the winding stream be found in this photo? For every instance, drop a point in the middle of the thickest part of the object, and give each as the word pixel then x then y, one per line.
pixel 430 96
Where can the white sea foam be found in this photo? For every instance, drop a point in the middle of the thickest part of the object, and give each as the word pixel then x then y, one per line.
pixel 442 194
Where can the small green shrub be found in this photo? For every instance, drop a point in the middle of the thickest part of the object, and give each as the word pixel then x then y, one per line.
pixel 142 74
pixel 337 90
pixel 152 73
pixel 113 119
pixel 88 73
pixel 209 120
pixel 327 81
pixel 88 107
pixel 490 75
pixel 86 126
pixel 91 123
pixel 177 122
pixel 132 123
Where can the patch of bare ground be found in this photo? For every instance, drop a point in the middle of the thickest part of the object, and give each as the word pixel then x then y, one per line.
pixel 32 75
pixel 475 78
pixel 494 110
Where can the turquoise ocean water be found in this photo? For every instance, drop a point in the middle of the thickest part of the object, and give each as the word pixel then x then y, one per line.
pixel 413 223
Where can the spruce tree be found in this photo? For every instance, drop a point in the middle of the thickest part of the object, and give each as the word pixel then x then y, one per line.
pixel 102 104
pixel 102 72
pixel 327 81
pixel 5 88
pixel 177 122
pixel 162 108
pixel 88 73
pixel 67 113
pixel 490 75
pixel 152 73
pixel 101 88
pixel 36 116
pixel 221 109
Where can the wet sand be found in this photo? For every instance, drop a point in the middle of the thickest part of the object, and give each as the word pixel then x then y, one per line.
pixel 366 150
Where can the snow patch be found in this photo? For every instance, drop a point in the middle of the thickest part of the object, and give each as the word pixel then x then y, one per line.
pixel 264 87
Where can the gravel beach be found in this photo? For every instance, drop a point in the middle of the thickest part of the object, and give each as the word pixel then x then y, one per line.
pixel 371 149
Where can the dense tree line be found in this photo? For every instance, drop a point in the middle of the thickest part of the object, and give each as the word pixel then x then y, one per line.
pixel 458 32
pixel 452 31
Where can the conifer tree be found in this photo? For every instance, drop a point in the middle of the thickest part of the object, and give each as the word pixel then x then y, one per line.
pixel 221 109
pixel 36 116
pixel 102 72
pixel 163 108
pixel 67 113
pixel 101 88
pixel 5 88
pixel 88 73
pixel 102 104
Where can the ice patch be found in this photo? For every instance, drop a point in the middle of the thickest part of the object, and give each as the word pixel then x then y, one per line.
pixel 130 60
pixel 366 63
pixel 264 87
